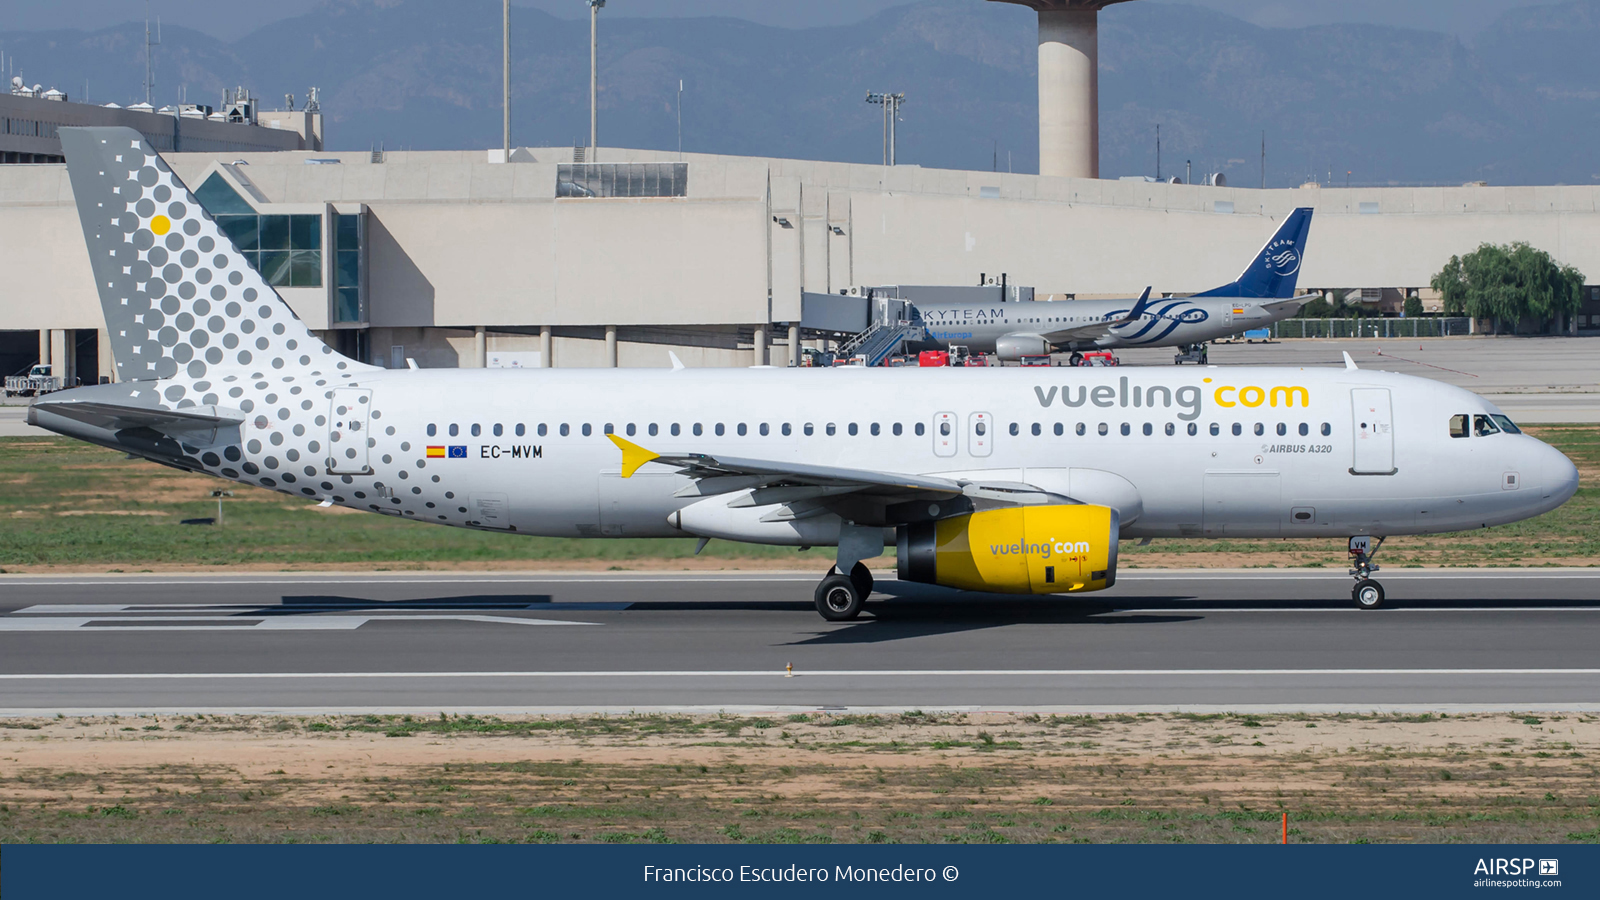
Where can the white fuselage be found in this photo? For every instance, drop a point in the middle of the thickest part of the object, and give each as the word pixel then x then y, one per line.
pixel 525 450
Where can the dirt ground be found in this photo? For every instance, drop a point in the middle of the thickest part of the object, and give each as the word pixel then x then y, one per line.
pixel 912 777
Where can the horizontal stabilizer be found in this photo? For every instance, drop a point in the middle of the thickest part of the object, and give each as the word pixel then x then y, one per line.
pixel 194 425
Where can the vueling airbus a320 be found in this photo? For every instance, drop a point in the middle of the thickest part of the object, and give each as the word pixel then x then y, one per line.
pixel 1004 480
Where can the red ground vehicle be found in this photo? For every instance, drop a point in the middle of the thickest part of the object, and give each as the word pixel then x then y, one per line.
pixel 977 360
pixel 933 358
pixel 1099 358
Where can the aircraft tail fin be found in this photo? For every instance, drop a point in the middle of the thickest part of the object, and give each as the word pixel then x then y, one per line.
pixel 1276 269
pixel 179 298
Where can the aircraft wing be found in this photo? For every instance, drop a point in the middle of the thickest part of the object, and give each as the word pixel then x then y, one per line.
pixel 192 425
pixel 1101 329
pixel 720 474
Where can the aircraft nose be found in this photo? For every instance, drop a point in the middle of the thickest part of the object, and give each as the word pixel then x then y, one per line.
pixel 1558 477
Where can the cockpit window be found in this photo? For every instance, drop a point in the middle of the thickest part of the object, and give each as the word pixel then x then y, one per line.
pixel 1506 424
pixel 1484 425
pixel 1458 426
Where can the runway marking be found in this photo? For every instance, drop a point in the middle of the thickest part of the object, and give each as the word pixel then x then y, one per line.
pixel 91 625
pixel 779 673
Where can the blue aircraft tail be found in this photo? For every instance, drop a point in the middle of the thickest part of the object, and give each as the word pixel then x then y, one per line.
pixel 1274 271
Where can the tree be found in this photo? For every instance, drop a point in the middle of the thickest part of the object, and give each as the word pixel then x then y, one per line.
pixel 1509 283
pixel 1413 307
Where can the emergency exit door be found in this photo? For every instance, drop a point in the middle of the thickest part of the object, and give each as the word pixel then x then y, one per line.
pixel 347 431
pixel 1374 432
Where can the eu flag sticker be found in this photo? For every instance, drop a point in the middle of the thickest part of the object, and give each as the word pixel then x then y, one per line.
pixel 458 451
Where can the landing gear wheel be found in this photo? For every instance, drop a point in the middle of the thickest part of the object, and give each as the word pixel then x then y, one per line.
pixel 1367 594
pixel 1076 359
pixel 838 598
pixel 861 577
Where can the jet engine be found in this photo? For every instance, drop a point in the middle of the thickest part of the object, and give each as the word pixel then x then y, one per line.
pixel 1016 346
pixel 1015 550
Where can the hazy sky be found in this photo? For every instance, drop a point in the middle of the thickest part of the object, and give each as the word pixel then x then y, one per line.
pixel 230 19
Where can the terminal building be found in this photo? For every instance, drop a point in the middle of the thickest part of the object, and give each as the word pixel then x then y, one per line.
pixel 467 258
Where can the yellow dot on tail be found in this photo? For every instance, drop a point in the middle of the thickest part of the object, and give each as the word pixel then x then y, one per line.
pixel 161 225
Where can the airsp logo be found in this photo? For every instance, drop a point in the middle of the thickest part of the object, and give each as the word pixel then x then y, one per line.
pixel 1281 258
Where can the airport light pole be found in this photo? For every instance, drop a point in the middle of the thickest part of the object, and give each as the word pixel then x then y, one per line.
pixel 506 54
pixel 891 112
pixel 594 77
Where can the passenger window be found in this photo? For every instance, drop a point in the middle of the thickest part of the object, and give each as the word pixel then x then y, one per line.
pixel 433 430
pixel 1080 429
pixel 609 429
pixel 631 430
pixel 543 429
pixel 898 430
pixel 498 430
pixel 1215 429
pixel 1237 429
pixel 698 429
pixel 1193 429
pixel 982 429
pixel 1150 429
pixel 721 430
pixel 1126 429
pixel 654 429
pixel 875 429
pixel 1326 429
pixel 787 430
pixel 765 430
pixel 853 429
pixel 1304 429
pixel 1458 426
pixel 565 429
pixel 587 429
pixel 1260 429
pixel 810 429
pixel 455 430
pixel 1060 429
pixel 675 429
pixel 521 429
pixel 1104 429
pixel 1037 429
pixel 742 430
pixel 831 429
pixel 477 429
pixel 944 429
pixel 920 429
pixel 1170 429
pixel 1282 429
pixel 1484 426
pixel 1015 429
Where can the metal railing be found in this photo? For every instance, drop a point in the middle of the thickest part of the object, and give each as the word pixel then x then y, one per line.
pixel 1452 326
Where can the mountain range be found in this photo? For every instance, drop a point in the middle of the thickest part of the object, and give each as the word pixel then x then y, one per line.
pixel 1383 104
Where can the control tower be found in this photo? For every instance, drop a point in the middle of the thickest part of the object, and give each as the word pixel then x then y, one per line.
pixel 1069 85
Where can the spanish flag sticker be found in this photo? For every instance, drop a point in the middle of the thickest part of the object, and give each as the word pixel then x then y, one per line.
pixel 436 453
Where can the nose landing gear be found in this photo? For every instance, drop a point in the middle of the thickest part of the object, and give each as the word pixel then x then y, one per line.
pixel 1367 594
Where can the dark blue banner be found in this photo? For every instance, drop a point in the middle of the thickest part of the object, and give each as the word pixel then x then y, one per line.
pixel 64 872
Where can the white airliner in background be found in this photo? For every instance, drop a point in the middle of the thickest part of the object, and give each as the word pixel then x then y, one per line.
pixel 1262 294
pixel 1007 480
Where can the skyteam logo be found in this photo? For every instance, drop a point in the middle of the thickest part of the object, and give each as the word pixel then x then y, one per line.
pixel 1281 257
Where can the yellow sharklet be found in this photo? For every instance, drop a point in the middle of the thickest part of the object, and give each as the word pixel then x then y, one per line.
pixel 633 455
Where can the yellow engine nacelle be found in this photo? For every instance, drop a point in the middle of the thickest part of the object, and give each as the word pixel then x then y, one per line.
pixel 1017 550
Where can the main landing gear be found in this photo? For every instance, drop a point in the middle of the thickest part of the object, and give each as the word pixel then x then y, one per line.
pixel 1367 594
pixel 840 597
pixel 1075 360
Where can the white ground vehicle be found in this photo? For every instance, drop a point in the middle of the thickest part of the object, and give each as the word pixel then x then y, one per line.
pixel 37 381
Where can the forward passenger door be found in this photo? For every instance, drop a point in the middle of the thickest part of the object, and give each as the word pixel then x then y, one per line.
pixel 1374 432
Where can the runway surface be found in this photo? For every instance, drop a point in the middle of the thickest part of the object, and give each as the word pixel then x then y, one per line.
pixel 1455 639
